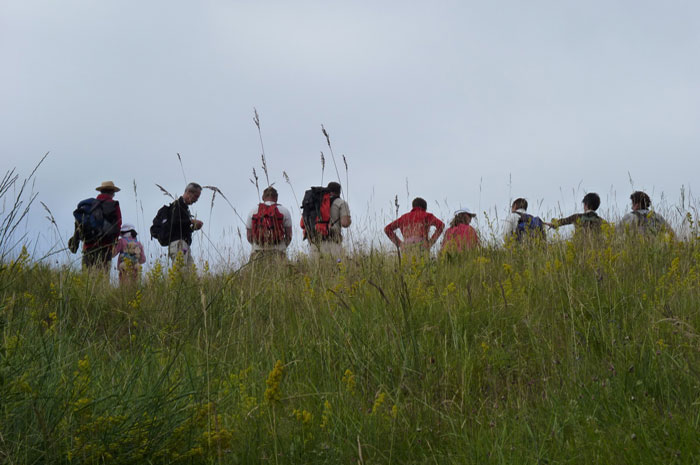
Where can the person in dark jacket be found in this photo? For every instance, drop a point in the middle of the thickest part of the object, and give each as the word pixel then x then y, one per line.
pixel 183 224
pixel 588 221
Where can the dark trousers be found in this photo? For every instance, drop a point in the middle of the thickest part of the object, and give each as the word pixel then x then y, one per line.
pixel 99 256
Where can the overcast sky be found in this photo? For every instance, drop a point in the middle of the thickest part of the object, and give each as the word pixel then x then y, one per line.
pixel 464 103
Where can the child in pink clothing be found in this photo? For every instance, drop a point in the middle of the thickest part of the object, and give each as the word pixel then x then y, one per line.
pixel 460 236
pixel 131 254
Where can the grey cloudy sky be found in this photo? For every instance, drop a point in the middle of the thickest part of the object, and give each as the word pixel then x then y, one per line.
pixel 466 103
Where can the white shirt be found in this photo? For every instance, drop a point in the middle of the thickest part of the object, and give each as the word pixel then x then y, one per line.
pixel 286 222
pixel 512 223
pixel 633 220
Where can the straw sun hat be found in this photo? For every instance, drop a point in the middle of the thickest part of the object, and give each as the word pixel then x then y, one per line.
pixel 107 186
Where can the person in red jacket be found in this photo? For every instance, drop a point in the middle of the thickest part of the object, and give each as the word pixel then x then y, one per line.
pixel 97 248
pixel 460 236
pixel 415 228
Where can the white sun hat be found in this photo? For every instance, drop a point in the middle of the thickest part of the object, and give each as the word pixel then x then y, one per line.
pixel 466 210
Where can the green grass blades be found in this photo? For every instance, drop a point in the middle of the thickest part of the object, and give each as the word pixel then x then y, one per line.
pixel 575 352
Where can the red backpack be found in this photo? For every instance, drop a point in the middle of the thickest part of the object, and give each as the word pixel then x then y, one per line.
pixel 268 225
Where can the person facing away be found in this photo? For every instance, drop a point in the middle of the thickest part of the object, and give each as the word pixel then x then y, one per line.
pixel 131 254
pixel 332 245
pixel 642 219
pixel 183 224
pixel 98 227
pixel 460 236
pixel 588 221
pixel 520 224
pixel 269 227
pixel 415 227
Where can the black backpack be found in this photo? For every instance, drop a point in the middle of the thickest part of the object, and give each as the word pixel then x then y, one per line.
pixel 162 225
pixel 97 220
pixel 316 213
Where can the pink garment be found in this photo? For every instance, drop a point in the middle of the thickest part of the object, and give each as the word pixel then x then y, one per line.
pixel 460 238
pixel 129 247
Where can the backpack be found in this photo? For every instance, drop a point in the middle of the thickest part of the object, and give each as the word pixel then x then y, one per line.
pixel 316 213
pixel 97 220
pixel 162 225
pixel 648 222
pixel 131 252
pixel 590 221
pixel 268 225
pixel 530 226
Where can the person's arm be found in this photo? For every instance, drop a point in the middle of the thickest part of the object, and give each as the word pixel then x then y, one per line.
pixel 249 227
pixel 345 219
pixel 556 222
pixel 119 217
pixel 287 223
pixel 117 248
pixel 389 231
pixel 446 240
pixel 439 227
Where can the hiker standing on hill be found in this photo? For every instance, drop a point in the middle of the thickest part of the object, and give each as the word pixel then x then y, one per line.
pixel 131 254
pixel 520 224
pixel 415 228
pixel 269 228
pixel 642 218
pixel 588 221
pixel 324 214
pixel 182 224
pixel 97 223
pixel 460 236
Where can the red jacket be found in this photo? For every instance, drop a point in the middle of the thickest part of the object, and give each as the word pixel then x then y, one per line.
pixel 415 228
pixel 459 238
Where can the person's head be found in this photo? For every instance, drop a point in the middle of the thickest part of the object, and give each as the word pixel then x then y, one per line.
pixel 420 203
pixel 591 201
pixel 192 193
pixel 107 188
pixel 519 204
pixel 270 194
pixel 334 188
pixel 640 200
pixel 128 230
pixel 462 216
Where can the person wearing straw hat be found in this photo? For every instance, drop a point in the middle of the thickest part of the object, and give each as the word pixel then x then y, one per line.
pixel 97 225
pixel 460 236
pixel 131 254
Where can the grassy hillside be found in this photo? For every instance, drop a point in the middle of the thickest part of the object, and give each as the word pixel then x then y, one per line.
pixel 572 352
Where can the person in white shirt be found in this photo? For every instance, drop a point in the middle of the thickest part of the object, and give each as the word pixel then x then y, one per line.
pixel 517 208
pixel 642 219
pixel 522 226
pixel 269 228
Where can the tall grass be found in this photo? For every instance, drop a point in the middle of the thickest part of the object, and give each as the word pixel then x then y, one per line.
pixel 574 352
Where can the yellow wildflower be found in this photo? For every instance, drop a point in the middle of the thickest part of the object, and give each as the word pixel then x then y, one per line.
pixel 273 393
pixel 326 415
pixel 349 381
pixel 378 402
